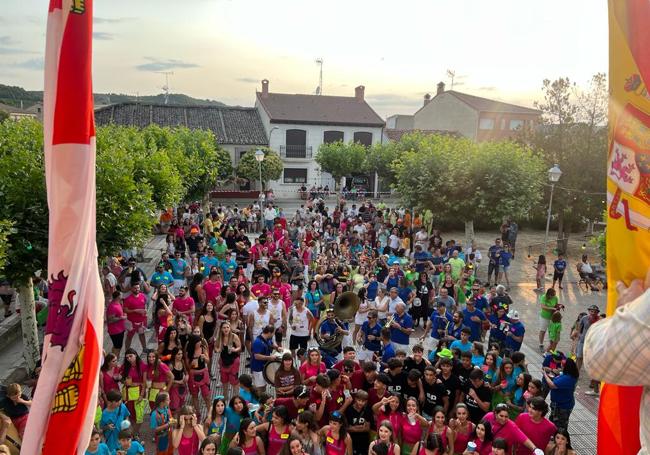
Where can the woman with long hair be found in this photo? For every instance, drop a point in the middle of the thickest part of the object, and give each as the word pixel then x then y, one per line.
pixel 482 439
pixel 517 401
pixel 287 377
pixel 169 343
pixel 491 366
pixel 504 384
pixel 197 292
pixel 312 367
pixel 561 444
pixel 163 316
pixel 207 323
pixel 431 445
pixel 197 359
pixel 306 431
pixel 247 439
pixel 208 447
pixel 315 301
pixel 390 409
pixel 157 377
pixel 381 303
pixel 385 436
pixel 236 411
pixel 294 446
pixel 133 372
pixel 412 426
pixel 335 436
pixel 178 390
pixel 462 427
pixel 110 376
pixel 230 303
pixel 188 435
pixel 215 423
pixel 439 427
pixel 563 393
pixel 277 430
pixel 228 346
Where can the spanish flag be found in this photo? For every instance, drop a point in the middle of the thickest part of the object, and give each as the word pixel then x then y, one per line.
pixel 628 197
pixel 64 402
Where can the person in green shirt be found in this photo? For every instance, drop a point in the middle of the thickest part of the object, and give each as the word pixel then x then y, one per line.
pixel 548 302
pixel 220 248
pixel 457 265
pixel 554 330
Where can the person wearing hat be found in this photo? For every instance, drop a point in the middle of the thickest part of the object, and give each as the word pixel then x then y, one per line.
pixel 515 333
pixel 582 328
pixel 161 276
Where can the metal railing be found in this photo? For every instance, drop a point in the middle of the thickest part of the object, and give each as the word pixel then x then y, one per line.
pixel 295 151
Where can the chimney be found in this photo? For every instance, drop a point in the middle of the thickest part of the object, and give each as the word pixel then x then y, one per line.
pixel 265 88
pixel 441 88
pixel 427 98
pixel 358 92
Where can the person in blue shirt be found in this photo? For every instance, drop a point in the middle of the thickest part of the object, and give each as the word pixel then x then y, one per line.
pixel 161 276
pixel 160 423
pixel 559 266
pixel 95 447
pixel 464 344
pixel 370 334
pixel 505 258
pixel 330 328
pixel 421 258
pixel 498 324
pixel 372 286
pixel 178 270
pixel 209 261
pixel 457 326
pixel 440 323
pixel 494 254
pixel 473 318
pixel 563 393
pixel 261 350
pixel 112 417
pixel 388 350
pixel 516 331
pixel 228 267
pixel 128 445
pixel 401 327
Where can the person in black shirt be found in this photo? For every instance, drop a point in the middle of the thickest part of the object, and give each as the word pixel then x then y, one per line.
pixel 413 387
pixel 397 377
pixel 260 270
pixel 435 393
pixel 463 369
pixel 417 360
pixel 360 419
pixel 478 397
pixel 450 382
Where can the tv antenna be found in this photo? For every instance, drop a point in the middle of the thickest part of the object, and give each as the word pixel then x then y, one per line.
pixel 319 89
pixel 451 74
pixel 165 88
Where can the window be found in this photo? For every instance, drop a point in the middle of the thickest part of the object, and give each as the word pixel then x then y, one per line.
pixel 332 136
pixel 296 141
pixel 363 137
pixel 295 175
pixel 516 124
pixel 486 124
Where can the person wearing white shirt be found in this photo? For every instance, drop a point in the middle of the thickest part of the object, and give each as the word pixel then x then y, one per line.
pixel 394 301
pixel 269 216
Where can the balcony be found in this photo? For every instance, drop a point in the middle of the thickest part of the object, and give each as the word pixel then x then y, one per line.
pixel 295 151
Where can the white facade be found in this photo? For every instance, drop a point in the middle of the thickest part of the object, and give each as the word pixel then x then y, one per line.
pixel 276 133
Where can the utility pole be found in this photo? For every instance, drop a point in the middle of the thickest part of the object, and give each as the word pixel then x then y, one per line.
pixel 165 87
pixel 319 89
pixel 451 74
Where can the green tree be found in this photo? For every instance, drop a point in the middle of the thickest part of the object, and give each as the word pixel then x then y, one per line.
pixel 272 166
pixel 341 159
pixel 457 179
pixel 6 227
pixel 4 115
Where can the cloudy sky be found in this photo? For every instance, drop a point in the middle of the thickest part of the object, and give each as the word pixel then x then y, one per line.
pixel 400 50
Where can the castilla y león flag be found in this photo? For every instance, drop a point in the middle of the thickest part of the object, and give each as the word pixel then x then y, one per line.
pixel 61 417
pixel 628 198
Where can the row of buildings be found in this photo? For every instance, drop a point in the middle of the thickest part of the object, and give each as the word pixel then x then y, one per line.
pixel 295 125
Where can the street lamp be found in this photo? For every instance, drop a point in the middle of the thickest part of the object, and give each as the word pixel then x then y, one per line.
pixel 554 175
pixel 259 156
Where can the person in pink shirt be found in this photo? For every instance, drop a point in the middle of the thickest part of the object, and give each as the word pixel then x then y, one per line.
pixel 135 307
pixel 503 427
pixel 115 321
pixel 157 377
pixel 212 287
pixel 184 305
pixel 261 288
pixel 411 425
pixel 533 424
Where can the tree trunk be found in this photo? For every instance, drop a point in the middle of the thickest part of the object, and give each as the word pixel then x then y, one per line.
pixel 563 230
pixel 31 350
pixel 469 234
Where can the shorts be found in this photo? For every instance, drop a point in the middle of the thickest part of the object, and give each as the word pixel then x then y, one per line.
pixel 229 374
pixel 557 276
pixel 177 396
pixel 297 342
pixel 580 349
pixel 202 385
pixel 137 327
pixel 258 379
pixel 118 340
pixel 505 268
pixel 543 324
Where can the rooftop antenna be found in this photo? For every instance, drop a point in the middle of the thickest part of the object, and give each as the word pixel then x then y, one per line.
pixel 451 74
pixel 319 89
pixel 165 87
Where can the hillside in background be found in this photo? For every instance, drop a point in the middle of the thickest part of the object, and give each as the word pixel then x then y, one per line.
pixel 14 95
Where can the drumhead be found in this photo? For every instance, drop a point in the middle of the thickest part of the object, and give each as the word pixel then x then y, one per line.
pixel 269 370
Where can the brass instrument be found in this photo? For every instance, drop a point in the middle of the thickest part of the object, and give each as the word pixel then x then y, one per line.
pixel 389 321
pixel 345 307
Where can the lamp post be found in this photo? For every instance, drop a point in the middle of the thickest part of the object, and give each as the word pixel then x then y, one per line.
pixel 554 175
pixel 259 156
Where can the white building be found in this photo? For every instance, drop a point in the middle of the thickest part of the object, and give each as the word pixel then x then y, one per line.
pixel 297 125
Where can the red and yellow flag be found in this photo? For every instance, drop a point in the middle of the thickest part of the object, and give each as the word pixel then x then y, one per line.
pixel 63 409
pixel 628 197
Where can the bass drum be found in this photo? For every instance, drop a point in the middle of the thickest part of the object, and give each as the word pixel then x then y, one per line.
pixel 270 369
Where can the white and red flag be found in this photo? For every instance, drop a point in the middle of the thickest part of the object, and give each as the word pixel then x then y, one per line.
pixel 64 402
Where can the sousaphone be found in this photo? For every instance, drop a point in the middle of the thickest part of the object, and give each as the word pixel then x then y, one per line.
pixel 345 307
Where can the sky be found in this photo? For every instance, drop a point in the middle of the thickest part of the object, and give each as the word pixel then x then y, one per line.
pixel 399 50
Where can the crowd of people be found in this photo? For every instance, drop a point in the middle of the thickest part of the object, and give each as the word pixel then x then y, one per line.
pixel 250 352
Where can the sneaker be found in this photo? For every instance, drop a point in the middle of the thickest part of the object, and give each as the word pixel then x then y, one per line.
pixel 541 348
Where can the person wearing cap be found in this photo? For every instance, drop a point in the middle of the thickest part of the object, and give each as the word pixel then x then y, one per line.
pixel 161 276
pixel 515 333
pixel 296 403
pixel 582 328
pixel 193 240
